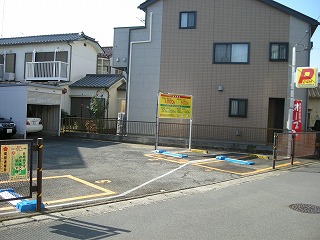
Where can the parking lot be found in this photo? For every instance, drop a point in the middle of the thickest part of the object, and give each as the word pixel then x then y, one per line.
pixel 82 171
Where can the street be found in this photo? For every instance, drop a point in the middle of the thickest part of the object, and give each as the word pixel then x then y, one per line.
pixel 273 205
pixel 79 172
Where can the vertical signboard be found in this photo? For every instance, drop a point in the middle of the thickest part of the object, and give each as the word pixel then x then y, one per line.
pixel 297 116
pixel 14 160
pixel 4 159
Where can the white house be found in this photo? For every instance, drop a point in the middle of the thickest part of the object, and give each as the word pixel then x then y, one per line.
pixel 35 73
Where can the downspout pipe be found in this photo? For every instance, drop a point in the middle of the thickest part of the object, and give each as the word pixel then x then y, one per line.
pixel 70 61
pixel 130 64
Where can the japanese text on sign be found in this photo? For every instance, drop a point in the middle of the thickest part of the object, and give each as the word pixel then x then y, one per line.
pixel 297 116
pixel 14 160
pixel 174 106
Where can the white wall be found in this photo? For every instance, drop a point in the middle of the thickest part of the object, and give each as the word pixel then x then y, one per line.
pixel 83 61
pixel 13 103
pixel 144 73
pixel 21 50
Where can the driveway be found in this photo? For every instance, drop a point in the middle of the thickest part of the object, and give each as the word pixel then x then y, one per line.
pixel 82 171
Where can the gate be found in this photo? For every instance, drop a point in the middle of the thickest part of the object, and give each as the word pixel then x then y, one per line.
pixel 288 146
pixel 16 167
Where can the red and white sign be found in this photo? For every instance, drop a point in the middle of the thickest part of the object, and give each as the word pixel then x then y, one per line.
pixel 297 116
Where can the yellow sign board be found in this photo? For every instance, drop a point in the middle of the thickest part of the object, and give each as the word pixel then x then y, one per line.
pixel 174 106
pixel 306 77
pixel 14 160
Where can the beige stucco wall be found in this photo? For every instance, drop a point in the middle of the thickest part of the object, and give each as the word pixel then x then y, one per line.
pixel 186 58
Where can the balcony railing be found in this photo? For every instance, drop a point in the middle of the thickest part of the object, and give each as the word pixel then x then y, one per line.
pixel 1 72
pixel 46 71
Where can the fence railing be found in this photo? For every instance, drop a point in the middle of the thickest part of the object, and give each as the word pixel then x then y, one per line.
pixel 288 146
pixel 51 70
pixel 173 130
pixel 89 125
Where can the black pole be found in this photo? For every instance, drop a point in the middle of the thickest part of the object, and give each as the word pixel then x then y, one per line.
pixel 293 147
pixel 39 174
pixel 275 143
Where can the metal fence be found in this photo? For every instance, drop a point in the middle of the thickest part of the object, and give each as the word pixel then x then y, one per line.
pixel 288 146
pixel 173 130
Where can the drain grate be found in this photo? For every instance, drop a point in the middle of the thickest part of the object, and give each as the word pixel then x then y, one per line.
pixel 305 208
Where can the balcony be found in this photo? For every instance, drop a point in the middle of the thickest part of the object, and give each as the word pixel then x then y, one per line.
pixel 46 71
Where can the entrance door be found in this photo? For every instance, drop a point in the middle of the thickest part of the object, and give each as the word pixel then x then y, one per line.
pixel 275 116
pixel 79 107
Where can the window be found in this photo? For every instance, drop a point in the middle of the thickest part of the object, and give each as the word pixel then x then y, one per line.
pixel 238 107
pixel 10 62
pixel 279 52
pixel 47 56
pixel 103 66
pixel 188 20
pixel 231 53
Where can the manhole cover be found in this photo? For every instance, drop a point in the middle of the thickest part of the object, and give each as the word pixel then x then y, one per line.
pixel 305 208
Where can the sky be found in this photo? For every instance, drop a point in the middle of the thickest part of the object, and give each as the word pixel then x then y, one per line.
pixel 98 18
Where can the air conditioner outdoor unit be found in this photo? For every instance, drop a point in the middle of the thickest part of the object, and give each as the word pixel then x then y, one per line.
pixel 120 123
pixel 121 115
pixel 9 76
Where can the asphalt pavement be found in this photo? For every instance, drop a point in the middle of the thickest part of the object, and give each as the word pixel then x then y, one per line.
pixel 82 172
pixel 283 204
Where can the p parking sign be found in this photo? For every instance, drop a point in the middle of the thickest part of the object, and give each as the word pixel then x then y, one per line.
pixel 306 77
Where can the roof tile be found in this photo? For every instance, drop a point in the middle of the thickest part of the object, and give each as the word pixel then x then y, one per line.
pixel 45 39
pixel 96 81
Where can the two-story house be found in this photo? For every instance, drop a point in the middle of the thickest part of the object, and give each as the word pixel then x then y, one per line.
pixel 35 74
pixel 234 57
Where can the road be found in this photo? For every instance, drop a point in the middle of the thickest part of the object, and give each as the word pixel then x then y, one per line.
pixel 275 205
pixel 78 172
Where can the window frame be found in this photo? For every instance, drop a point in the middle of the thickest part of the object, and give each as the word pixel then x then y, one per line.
pixel 238 101
pixel 230 57
pixel 10 62
pixel 195 20
pixel 286 44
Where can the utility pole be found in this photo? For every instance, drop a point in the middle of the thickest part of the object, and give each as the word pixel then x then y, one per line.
pixel 293 73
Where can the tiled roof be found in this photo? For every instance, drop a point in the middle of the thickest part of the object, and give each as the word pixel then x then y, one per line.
pixel 46 39
pixel 96 81
pixel 107 52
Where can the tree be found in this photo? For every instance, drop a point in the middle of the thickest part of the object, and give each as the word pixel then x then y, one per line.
pixel 97 105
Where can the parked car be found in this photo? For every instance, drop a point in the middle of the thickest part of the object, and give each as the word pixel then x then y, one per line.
pixel 7 128
pixel 33 125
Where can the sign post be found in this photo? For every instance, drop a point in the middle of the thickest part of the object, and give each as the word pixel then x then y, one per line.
pixel 174 106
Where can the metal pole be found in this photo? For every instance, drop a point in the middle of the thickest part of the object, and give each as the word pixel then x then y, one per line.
pixel 39 174
pixel 290 110
pixel 275 143
pixel 293 147
pixel 190 134
pixel 157 123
